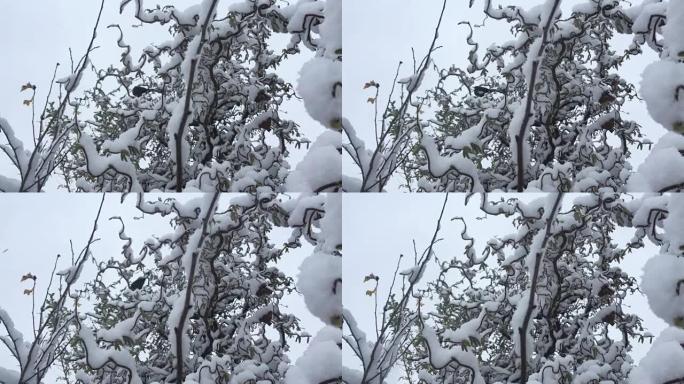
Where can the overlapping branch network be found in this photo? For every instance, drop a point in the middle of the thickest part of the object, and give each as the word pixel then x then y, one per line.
pixel 545 111
pixel 202 111
pixel 545 304
pixel 201 304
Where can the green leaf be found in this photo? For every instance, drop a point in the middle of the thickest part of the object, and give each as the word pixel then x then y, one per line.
pixel 678 127
pixel 679 322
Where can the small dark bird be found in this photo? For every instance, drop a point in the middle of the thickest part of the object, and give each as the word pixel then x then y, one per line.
pixel 609 318
pixel 139 90
pixel 138 283
pixel 263 290
pixel 481 91
pixel 266 124
pixel 605 291
pixel 267 318
pixel 261 97
pixel 606 98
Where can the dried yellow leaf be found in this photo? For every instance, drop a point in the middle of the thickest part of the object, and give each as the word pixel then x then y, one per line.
pixel 27 86
pixel 28 276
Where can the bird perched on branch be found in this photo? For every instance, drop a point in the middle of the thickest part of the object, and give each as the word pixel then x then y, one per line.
pixel 139 90
pixel 481 91
pixel 138 283
pixel 263 290
pixel 267 318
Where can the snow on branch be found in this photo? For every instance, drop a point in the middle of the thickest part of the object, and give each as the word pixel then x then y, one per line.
pixel 202 111
pixel 55 326
pixel 51 141
pixel 543 111
pixel 320 282
pixel 543 304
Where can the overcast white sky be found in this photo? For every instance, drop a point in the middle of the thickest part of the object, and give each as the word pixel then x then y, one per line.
pixel 379 34
pixel 37 227
pixel 379 227
pixel 38 34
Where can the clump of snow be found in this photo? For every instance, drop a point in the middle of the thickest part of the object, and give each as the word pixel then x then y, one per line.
pixel 320 281
pixel 298 208
pixel 663 168
pixel 586 8
pixel 674 224
pixel 320 168
pixel 97 165
pixel 591 371
pixel 663 285
pixel 412 82
pixel 14 341
pixel 331 28
pixel 466 138
pixel 662 87
pixel 466 331
pixel 641 14
pixel 321 361
pixel 72 273
pixel 297 13
pixel 441 357
pixel 320 85
pixel 663 362
pixel 126 139
pixel 414 274
pixel 331 224
pixel 27 166
pixel 674 29
pixel 439 165
pixel 121 330
pixel 97 357
pixel 8 376
pixel 71 82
